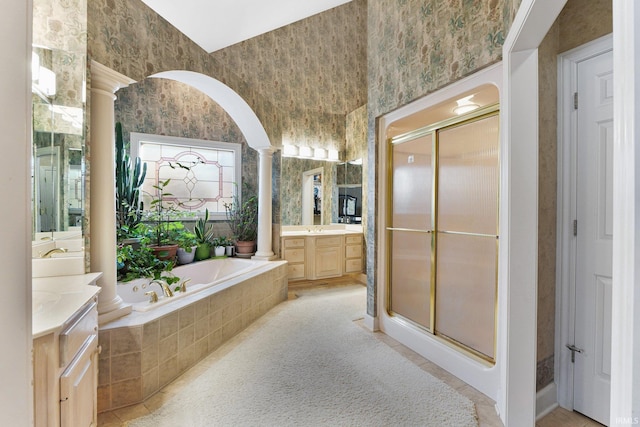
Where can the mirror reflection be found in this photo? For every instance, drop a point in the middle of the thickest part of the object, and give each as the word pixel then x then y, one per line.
pixel 349 194
pixel 57 141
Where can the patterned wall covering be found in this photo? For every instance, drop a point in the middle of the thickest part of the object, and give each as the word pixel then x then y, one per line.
pixel 316 65
pixel 129 37
pixel 167 107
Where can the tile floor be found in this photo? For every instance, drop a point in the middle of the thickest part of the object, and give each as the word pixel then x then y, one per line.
pixel 484 406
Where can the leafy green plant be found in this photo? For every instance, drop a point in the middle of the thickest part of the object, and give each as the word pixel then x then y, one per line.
pixel 130 175
pixel 203 230
pixel 221 241
pixel 186 239
pixel 140 263
pixel 243 216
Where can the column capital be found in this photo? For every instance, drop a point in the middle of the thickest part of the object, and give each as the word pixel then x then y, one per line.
pixel 267 150
pixel 106 79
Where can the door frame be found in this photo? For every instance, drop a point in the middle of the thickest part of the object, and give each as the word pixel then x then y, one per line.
pixel 567 211
pixel 307 195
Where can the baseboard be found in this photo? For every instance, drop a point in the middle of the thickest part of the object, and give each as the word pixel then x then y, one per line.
pixel 371 323
pixel 546 400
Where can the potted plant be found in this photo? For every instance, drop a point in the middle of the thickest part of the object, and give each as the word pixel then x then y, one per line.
pixel 187 245
pixel 220 245
pixel 130 175
pixel 243 220
pixel 203 232
pixel 162 231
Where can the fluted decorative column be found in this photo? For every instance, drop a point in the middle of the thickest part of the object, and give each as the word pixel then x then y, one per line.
pixel 104 83
pixel 264 251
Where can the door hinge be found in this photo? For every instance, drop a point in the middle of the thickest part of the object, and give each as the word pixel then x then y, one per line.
pixel 573 349
pixel 575 227
pixel 575 101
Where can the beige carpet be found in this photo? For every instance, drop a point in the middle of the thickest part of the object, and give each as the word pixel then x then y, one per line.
pixel 311 365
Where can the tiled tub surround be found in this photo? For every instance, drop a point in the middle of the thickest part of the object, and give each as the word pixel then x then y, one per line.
pixel 144 351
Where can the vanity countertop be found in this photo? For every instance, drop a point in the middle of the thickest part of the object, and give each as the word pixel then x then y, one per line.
pixel 325 230
pixel 56 299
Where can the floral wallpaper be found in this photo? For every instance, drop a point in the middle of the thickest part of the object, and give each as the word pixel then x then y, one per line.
pixel 316 65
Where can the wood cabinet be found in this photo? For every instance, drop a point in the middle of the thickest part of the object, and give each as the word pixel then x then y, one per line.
pixel 353 254
pixel 66 372
pixel 317 256
pixel 293 249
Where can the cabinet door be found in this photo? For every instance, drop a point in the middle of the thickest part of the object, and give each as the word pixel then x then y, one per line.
pixel 79 388
pixel 328 262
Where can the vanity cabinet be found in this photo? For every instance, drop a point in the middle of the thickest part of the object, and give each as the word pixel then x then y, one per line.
pixel 293 249
pixel 66 371
pixel 353 253
pixel 325 255
pixel 316 256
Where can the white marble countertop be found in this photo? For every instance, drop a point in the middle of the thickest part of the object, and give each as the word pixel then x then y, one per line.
pixel 56 299
pixel 320 230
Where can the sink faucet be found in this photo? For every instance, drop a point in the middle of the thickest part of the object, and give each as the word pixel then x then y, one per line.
pixel 51 252
pixel 165 288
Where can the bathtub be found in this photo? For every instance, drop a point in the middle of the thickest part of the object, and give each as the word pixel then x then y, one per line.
pixel 162 340
pixel 212 274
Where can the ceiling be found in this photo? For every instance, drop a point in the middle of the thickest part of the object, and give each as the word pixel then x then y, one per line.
pixel 216 24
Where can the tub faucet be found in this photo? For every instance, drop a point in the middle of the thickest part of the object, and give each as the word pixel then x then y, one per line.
pixel 183 286
pixel 51 252
pixel 165 288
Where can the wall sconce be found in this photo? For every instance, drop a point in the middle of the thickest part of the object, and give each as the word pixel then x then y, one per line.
pixel 465 105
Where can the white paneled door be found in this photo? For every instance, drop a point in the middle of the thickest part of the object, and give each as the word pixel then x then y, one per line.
pixel 594 216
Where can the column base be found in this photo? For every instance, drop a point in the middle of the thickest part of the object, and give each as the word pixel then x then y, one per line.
pixel 265 256
pixel 112 310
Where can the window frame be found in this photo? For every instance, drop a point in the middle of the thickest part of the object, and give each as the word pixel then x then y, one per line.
pixel 136 138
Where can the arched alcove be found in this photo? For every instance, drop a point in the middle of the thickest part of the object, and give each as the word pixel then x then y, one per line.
pixel 229 100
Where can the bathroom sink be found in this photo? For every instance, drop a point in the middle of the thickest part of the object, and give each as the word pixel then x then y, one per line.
pixel 40 300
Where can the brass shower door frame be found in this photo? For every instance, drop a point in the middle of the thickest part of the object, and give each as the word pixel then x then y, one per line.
pixel 433 130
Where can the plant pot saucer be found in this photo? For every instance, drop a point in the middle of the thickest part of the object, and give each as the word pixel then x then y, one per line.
pixel 249 255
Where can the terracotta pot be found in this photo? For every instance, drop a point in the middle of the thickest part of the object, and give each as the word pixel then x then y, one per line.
pixel 165 252
pixel 245 247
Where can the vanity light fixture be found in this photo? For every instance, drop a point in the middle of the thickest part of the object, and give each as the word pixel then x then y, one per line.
pixel 305 151
pixel 319 153
pixel 334 155
pixel 465 105
pixel 289 150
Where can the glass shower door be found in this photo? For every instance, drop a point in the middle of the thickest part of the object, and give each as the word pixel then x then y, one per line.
pixel 410 230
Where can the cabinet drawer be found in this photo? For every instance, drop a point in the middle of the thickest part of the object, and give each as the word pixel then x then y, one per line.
pixel 353 266
pixel 353 251
pixel 81 328
pixel 294 243
pixel 329 241
pixel 296 271
pixel 294 255
pixel 353 239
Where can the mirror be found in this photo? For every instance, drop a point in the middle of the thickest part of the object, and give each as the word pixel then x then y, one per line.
pixel 57 142
pixel 348 203
pixel 58 71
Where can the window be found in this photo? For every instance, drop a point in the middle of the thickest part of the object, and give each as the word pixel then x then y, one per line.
pixel 202 174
